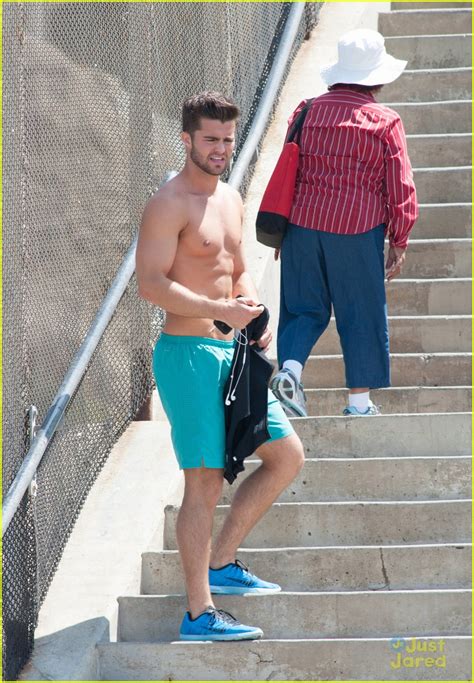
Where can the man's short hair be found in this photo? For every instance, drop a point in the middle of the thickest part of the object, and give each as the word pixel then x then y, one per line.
pixel 208 105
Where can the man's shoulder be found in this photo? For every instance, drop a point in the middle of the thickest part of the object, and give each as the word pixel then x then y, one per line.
pixel 229 197
pixel 168 204
pixel 231 192
pixel 169 197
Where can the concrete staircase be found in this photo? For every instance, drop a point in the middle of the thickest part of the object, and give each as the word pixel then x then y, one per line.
pixel 372 541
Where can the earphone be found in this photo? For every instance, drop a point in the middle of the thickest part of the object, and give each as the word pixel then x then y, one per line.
pixel 231 392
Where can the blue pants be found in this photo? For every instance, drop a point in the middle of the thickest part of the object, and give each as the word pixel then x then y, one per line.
pixel 322 268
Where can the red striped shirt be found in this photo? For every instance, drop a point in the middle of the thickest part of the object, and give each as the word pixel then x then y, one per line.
pixel 354 171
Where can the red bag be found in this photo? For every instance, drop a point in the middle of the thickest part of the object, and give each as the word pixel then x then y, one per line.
pixel 275 207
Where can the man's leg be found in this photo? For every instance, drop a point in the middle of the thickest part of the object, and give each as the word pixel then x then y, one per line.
pixel 202 490
pixel 193 530
pixel 190 376
pixel 282 459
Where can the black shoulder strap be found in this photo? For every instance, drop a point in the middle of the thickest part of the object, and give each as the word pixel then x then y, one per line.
pixel 295 132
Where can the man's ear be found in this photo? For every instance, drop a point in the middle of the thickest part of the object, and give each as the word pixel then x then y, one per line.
pixel 186 140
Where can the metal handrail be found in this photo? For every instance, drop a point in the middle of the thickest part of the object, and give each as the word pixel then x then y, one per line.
pixel 268 96
pixel 69 385
pixel 82 358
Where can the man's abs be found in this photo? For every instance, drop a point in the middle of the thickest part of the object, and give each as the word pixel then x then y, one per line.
pixel 208 282
pixel 193 327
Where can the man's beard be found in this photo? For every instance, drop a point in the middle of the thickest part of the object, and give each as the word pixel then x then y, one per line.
pixel 205 165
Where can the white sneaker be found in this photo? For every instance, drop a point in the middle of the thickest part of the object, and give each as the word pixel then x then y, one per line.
pixel 371 410
pixel 290 393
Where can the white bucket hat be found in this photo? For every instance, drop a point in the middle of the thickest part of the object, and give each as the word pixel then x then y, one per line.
pixel 362 60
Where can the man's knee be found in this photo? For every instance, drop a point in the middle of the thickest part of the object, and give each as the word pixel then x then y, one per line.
pixel 296 455
pixel 286 453
pixel 203 484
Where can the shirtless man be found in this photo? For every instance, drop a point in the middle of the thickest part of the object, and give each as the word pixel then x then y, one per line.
pixel 190 262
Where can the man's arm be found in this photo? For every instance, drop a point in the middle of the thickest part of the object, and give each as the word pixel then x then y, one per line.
pixel 163 220
pixel 243 284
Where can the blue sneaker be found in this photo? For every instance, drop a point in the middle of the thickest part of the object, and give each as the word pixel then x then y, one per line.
pixel 371 410
pixel 215 624
pixel 235 579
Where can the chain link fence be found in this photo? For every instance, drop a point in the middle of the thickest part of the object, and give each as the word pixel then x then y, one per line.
pixel 92 97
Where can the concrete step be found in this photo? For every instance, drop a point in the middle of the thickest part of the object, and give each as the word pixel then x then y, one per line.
pixel 348 523
pixel 439 150
pixel 322 402
pixel 430 85
pixel 371 479
pixel 426 434
pixel 429 297
pixel 302 660
pixel 443 184
pixel 441 258
pixel 425 22
pixel 443 221
pixel 412 334
pixel 451 116
pixel 407 369
pixel 332 568
pixel 431 52
pixel 155 618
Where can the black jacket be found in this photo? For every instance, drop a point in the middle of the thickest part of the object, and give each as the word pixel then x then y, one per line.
pixel 246 398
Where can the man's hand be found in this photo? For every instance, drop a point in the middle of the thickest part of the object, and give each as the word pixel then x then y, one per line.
pixel 265 340
pixel 239 312
pixel 395 261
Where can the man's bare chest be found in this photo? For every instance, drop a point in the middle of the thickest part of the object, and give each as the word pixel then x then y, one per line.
pixel 213 230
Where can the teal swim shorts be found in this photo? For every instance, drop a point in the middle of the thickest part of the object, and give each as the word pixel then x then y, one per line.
pixel 190 374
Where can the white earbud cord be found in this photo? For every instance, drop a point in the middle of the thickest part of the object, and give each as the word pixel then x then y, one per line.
pixel 231 392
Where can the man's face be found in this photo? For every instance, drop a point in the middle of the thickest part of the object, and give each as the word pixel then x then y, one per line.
pixel 211 146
